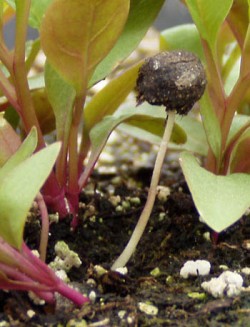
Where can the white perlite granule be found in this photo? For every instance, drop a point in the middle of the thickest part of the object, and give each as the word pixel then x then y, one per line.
pixel 195 268
pixel 228 283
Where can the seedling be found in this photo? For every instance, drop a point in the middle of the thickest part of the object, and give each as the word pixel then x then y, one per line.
pixel 70 34
pixel 175 80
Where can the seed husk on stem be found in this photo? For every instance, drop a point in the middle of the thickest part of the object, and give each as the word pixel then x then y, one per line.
pixel 175 79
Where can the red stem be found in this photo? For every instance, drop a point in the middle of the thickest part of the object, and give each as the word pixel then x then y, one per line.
pixel 45 227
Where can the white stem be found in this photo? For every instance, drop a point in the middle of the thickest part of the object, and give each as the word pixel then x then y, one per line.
pixel 122 260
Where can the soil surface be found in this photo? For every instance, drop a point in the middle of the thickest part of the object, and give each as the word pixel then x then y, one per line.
pixel 110 207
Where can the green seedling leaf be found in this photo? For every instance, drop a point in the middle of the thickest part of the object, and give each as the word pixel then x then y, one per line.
pixel 9 140
pixel 37 10
pixel 43 110
pixel 18 190
pixel 240 157
pixel 25 150
pixel 12 117
pixel 239 124
pixel 110 97
pixel 32 49
pixel 211 124
pixel 238 19
pixel 184 37
pixel 208 17
pixel 220 200
pixel 141 16
pixel 101 132
pixel 61 96
pixel 92 28
pixel 196 137
pixel 188 134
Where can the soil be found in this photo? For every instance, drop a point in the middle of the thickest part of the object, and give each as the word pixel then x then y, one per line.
pixel 173 236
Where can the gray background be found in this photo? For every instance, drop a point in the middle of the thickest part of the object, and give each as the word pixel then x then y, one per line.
pixel 173 13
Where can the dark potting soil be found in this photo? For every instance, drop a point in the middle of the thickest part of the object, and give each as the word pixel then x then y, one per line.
pixel 173 236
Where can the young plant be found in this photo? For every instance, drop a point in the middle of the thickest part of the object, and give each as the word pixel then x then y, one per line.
pixel 21 176
pixel 220 36
pixel 83 40
pixel 175 80
pixel 71 34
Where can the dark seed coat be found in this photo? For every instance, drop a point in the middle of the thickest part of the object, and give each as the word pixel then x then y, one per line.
pixel 174 79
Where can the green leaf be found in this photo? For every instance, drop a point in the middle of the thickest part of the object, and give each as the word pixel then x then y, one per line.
pixel 25 150
pixel 220 200
pixel 44 111
pixel 240 157
pixel 208 16
pixel 76 35
pixel 9 140
pixel 238 19
pixel 18 190
pixel 110 97
pixel 196 137
pixel 238 126
pixel 142 13
pixel 188 133
pixel 37 10
pixel 61 96
pixel 145 118
pixel 211 124
pixel 184 37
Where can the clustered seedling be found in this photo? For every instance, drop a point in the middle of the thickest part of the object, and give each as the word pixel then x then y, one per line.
pixel 71 35
pixel 175 80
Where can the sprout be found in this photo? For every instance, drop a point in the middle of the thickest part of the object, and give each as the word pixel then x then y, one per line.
pixel 175 80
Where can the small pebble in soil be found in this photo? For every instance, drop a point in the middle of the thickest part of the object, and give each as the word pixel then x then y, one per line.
pixel 122 270
pixel 135 200
pixel 99 270
pixel 246 271
pixel 54 218
pixel 31 313
pixel 122 314
pixel 115 200
pixel 156 272
pixel 76 323
pixel 149 309
pixel 223 267
pixel 246 244
pixel 35 299
pixel 206 236
pixel 92 296
pixel 197 295
pixel 162 193
pixel 195 268
pixel 228 283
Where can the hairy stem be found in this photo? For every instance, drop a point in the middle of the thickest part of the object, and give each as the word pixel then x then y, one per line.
pixel 142 222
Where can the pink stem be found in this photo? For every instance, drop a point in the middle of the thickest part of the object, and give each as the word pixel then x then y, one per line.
pixel 45 226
